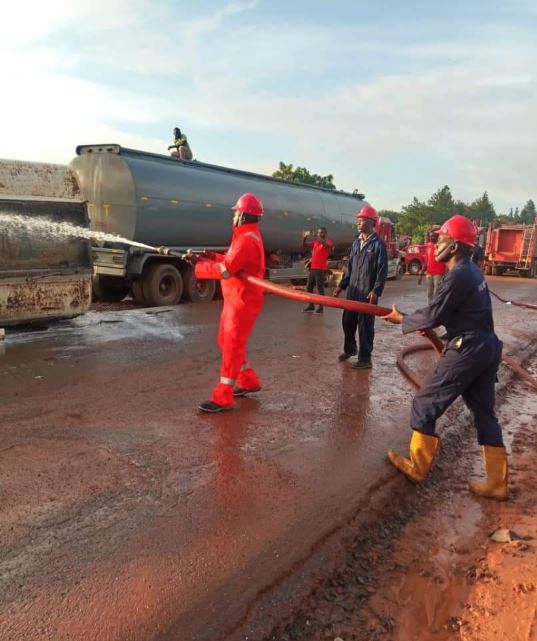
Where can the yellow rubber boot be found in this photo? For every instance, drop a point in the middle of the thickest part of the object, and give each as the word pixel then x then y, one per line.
pixel 423 450
pixel 495 487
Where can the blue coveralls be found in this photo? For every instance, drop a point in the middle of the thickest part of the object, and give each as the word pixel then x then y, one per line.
pixel 470 360
pixel 366 272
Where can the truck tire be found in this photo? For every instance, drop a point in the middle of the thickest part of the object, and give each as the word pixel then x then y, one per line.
pixel 414 267
pixel 137 292
pixel 197 291
pixel 108 289
pixel 162 285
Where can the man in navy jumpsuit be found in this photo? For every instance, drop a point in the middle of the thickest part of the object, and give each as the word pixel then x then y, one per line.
pixel 467 367
pixel 363 282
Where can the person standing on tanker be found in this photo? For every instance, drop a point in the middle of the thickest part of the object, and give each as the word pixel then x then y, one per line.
pixel 433 268
pixel 363 282
pixel 181 146
pixel 242 302
pixel 467 367
pixel 318 264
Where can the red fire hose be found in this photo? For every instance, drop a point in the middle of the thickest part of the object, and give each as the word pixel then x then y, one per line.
pixel 513 302
pixel 376 310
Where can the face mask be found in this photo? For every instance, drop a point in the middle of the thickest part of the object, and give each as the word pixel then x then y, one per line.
pixel 445 251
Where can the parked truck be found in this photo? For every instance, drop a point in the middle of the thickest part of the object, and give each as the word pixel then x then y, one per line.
pixel 43 276
pixel 158 200
pixel 511 247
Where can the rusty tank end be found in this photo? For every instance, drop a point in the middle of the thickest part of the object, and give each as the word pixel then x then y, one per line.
pixel 42 276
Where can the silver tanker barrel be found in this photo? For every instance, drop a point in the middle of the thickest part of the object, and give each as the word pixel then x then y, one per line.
pixel 158 200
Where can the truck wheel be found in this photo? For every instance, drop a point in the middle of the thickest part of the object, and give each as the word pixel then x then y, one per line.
pixel 163 285
pixel 399 271
pixel 197 291
pixel 108 289
pixel 414 267
pixel 137 292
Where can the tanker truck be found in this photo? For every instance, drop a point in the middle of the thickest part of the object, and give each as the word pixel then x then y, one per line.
pixel 43 275
pixel 158 200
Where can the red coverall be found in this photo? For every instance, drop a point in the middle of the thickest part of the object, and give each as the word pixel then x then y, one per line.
pixel 242 305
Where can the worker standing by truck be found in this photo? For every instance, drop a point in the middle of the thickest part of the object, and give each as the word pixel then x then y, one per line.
pixel 318 263
pixel 242 302
pixel 433 269
pixel 364 282
pixel 467 367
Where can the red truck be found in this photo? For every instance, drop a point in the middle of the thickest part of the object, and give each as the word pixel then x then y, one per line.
pixel 414 259
pixel 511 247
pixel 415 255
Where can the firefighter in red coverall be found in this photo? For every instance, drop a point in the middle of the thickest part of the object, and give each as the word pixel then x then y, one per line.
pixel 242 302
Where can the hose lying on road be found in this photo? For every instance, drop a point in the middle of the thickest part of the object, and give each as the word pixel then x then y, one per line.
pixel 513 302
pixel 376 310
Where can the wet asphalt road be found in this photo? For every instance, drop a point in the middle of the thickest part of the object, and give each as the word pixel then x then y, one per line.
pixel 126 515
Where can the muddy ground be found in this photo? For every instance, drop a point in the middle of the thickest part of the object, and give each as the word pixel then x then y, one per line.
pixel 129 516
pixel 440 563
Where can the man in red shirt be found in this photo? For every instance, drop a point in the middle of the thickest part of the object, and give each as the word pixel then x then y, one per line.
pixel 320 250
pixel 242 302
pixel 433 269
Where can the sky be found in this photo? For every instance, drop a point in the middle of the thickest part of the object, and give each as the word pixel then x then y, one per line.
pixel 395 99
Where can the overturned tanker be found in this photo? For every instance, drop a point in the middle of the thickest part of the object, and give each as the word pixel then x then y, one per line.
pixel 158 200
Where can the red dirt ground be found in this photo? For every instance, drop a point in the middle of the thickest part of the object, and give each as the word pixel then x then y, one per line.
pixel 432 571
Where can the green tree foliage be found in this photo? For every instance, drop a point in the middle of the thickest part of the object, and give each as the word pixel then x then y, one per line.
pixel 415 219
pixel 528 213
pixel 442 205
pixel 482 209
pixel 302 175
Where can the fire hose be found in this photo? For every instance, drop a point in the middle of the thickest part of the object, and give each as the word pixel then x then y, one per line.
pixel 513 302
pixel 366 308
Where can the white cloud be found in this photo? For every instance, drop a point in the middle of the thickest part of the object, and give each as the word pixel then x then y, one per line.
pixel 460 112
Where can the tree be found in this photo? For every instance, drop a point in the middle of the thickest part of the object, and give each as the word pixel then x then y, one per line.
pixel 482 209
pixel 462 208
pixel 415 219
pixel 442 205
pixel 528 213
pixel 302 175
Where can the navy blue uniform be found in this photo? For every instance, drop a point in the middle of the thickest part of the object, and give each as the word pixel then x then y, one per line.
pixel 366 272
pixel 470 360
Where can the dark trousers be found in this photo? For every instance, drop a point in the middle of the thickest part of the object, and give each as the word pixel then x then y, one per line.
pixel 365 323
pixel 316 279
pixel 468 371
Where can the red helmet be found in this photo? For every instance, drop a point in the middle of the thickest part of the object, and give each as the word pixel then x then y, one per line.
pixel 459 228
pixel 249 204
pixel 368 212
